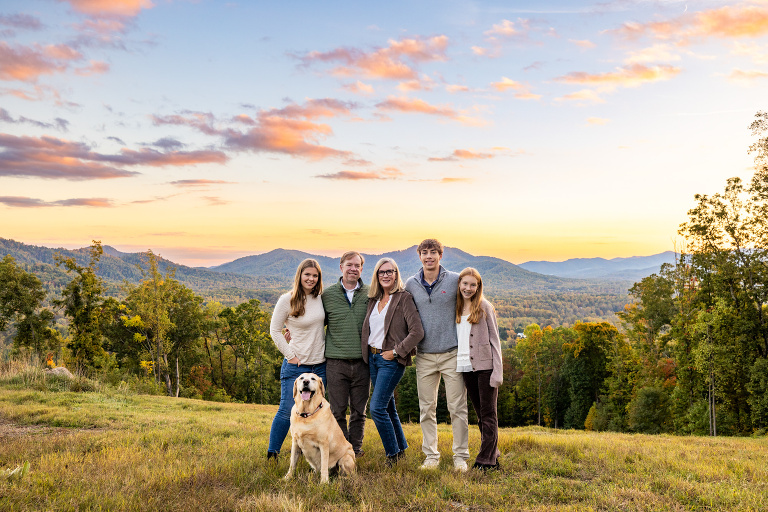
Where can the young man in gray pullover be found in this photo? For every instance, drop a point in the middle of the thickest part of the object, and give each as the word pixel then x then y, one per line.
pixel 434 291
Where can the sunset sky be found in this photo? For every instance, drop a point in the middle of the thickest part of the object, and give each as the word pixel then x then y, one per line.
pixel 526 130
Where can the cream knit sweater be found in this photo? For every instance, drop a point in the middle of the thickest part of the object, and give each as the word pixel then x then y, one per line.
pixel 307 331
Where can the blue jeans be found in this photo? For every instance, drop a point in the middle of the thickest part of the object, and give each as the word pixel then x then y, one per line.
pixel 282 422
pixel 385 375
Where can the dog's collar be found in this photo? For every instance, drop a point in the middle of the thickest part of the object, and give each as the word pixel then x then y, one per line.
pixel 308 414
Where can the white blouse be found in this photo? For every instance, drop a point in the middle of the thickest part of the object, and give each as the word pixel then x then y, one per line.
pixel 376 322
pixel 463 363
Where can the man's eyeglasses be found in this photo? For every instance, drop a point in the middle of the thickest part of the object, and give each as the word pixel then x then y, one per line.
pixel 389 272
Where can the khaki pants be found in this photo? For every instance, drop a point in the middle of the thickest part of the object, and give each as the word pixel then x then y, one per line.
pixel 429 369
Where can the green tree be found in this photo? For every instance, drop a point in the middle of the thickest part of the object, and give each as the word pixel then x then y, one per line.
pixel 586 368
pixel 148 315
pixel 21 298
pixel 82 300
pixel 247 336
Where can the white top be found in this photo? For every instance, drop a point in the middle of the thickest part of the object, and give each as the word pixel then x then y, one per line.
pixel 307 333
pixel 463 363
pixel 376 322
pixel 350 293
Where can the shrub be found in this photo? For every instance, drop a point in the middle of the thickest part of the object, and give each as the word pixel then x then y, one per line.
pixel 649 411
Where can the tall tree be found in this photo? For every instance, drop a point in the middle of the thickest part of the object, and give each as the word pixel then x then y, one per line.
pixel 148 314
pixel 82 300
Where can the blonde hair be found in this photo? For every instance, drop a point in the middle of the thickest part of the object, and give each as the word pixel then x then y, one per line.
pixel 475 311
pixel 298 296
pixel 376 291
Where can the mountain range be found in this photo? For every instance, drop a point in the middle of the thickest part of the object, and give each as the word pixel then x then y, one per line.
pixel 273 271
pixel 633 268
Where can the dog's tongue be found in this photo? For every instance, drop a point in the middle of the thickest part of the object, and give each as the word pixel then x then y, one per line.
pixel 305 395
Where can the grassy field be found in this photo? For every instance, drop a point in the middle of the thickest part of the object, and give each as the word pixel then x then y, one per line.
pixel 113 449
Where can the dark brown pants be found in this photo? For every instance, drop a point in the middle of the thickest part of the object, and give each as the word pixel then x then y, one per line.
pixel 483 398
pixel 349 384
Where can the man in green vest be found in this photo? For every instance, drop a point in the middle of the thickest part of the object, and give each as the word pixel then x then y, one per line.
pixel 349 383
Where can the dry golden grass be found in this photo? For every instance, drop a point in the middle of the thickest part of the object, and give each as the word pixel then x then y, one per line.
pixel 112 450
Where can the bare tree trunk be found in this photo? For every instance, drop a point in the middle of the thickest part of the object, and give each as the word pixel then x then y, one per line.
pixel 177 377
pixel 210 361
pixel 167 375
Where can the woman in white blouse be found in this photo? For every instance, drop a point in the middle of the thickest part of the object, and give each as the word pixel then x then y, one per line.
pixel 301 311
pixel 391 330
pixel 479 359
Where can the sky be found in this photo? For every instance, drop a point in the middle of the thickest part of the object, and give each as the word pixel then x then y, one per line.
pixel 525 130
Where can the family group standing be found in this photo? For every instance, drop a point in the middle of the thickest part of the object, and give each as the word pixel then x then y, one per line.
pixel 355 336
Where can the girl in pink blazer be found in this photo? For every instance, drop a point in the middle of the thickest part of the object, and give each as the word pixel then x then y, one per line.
pixel 479 360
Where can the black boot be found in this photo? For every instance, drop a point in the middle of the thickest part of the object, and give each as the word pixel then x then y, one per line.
pixel 272 455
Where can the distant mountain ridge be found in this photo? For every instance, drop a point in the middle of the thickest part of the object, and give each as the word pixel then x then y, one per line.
pixel 275 269
pixel 632 268
pixel 499 276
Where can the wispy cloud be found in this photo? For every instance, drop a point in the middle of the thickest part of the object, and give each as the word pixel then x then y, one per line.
pixel 93 68
pixel 28 63
pixel 109 8
pixel 201 183
pixel 731 21
pixel 388 173
pixel 522 91
pixel 462 154
pixel 738 75
pixel 583 43
pixel 397 61
pixel 52 158
pixel 597 121
pixel 419 106
pixel 583 96
pixel 656 53
pixel 633 75
pixel 58 124
pixel 290 130
pixel 21 21
pixel 31 202
pixel 359 87
pixel 215 200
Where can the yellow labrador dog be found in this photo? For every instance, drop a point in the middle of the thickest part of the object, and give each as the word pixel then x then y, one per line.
pixel 314 431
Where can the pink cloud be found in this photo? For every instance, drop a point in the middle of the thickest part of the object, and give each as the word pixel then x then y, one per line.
pixel 735 21
pixel 394 62
pixel 507 29
pixel 522 90
pixel 582 96
pixel 359 87
pixel 291 130
pixel 629 76
pixel 200 183
pixel 463 154
pixel 52 158
pixel 583 43
pixel 94 68
pixel 31 202
pixel 738 75
pixel 27 63
pixel 415 105
pixel 107 8
pixel 388 173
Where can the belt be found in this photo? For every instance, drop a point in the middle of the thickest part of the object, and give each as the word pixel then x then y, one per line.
pixel 375 350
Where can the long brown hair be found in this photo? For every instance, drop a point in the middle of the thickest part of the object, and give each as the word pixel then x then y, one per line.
pixel 298 297
pixel 475 312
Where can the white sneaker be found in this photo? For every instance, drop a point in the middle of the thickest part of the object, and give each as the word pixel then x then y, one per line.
pixel 460 466
pixel 430 464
